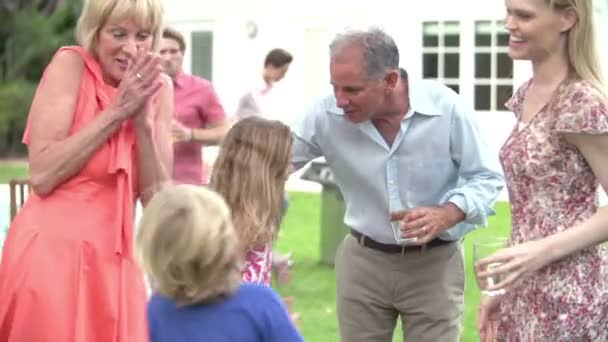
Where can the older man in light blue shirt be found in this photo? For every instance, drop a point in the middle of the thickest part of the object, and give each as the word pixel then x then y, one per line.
pixel 402 151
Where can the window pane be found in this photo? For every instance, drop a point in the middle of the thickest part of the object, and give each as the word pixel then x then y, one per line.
pixel 503 94
pixel 430 34
pixel 483 33
pixel 454 87
pixel 429 65
pixel 452 65
pixel 202 53
pixel 482 97
pixel 483 65
pixel 452 33
pixel 502 35
pixel 504 66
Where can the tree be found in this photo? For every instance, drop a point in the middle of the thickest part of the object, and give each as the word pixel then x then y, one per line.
pixel 47 7
pixel 30 33
pixel 30 37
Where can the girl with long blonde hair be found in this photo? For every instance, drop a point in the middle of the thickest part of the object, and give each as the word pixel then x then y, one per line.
pixel 250 173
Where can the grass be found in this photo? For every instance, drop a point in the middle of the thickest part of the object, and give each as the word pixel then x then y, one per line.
pixel 10 171
pixel 313 284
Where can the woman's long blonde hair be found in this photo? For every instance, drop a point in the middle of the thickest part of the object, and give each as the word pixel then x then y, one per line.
pixel 583 52
pixel 250 173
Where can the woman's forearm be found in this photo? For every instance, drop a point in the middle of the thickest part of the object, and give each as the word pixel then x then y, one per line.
pixel 154 144
pixel 153 167
pixel 58 161
pixel 588 233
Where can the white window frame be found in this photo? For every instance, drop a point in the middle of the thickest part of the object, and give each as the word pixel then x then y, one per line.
pixel 493 81
pixel 186 29
pixel 441 50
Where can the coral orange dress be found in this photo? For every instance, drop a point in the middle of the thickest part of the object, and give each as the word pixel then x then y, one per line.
pixel 67 271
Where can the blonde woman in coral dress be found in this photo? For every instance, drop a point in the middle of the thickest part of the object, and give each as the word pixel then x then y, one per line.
pixel 98 135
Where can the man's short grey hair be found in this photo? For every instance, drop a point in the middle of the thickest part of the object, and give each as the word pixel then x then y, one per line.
pixel 380 53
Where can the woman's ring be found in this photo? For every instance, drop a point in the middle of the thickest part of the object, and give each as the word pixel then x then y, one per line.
pixel 138 75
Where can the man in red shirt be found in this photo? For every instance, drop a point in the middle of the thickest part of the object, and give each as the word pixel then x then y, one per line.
pixel 200 119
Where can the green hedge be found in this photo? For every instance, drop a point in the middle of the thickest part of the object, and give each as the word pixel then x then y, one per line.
pixel 15 101
pixel 30 34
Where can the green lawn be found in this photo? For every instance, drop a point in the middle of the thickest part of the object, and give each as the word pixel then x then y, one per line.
pixel 12 170
pixel 313 284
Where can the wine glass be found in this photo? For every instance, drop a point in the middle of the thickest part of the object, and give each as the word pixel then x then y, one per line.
pixel 481 250
pixel 396 226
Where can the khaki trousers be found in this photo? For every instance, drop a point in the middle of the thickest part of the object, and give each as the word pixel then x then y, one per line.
pixel 425 288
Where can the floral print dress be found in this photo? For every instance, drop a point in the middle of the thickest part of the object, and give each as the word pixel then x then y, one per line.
pixel 258 265
pixel 551 189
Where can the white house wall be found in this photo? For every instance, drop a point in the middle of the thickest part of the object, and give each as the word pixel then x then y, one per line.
pixel 601 10
pixel 300 28
pixel 306 27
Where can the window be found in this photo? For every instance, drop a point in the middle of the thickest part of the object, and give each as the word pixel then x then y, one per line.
pixel 202 54
pixel 493 67
pixel 441 52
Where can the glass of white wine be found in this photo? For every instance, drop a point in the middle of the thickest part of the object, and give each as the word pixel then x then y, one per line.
pixel 481 250
pixel 396 226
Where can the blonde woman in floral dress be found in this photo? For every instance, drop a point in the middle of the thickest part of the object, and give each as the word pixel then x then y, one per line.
pixel 555 274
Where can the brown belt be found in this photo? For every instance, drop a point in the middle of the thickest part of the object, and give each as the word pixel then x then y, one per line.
pixel 394 249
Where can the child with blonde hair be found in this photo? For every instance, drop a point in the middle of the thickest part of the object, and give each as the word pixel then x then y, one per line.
pixel 188 247
pixel 250 173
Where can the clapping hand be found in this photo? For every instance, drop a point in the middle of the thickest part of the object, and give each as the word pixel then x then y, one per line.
pixel 141 82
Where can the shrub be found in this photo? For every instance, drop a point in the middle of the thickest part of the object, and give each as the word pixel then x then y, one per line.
pixel 15 100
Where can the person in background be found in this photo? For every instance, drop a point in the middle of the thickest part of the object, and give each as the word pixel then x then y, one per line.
pixel 554 274
pixel 99 138
pixel 259 101
pixel 200 119
pixel 188 247
pixel 263 102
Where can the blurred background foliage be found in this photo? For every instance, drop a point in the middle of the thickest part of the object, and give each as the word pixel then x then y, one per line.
pixel 30 33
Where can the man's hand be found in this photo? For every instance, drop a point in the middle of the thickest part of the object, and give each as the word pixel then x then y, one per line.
pixel 426 223
pixel 180 133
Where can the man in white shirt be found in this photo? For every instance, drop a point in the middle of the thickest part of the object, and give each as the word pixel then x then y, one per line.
pixel 416 174
pixel 259 101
